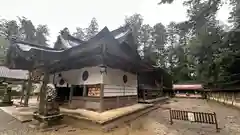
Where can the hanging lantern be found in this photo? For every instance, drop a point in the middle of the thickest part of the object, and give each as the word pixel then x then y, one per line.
pixel 103 69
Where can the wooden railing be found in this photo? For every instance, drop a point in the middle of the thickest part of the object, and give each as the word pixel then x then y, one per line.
pixel 198 117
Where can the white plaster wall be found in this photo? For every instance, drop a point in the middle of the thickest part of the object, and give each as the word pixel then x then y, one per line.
pixel 112 80
pixel 115 90
pixel 115 77
pixel 74 77
pixel 114 85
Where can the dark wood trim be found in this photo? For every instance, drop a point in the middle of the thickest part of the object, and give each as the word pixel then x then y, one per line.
pixel 120 96
pixel 12 79
pixel 71 94
pixel 86 98
pixel 144 94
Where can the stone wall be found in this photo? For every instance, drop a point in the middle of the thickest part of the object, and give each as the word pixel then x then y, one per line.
pixel 116 102
pixel 91 103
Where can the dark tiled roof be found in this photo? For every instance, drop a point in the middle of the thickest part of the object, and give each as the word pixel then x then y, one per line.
pixel 13 74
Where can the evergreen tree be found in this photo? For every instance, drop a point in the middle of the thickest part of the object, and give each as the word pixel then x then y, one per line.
pixel 92 29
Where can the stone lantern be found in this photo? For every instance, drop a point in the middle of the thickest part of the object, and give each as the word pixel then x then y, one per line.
pixel 7 98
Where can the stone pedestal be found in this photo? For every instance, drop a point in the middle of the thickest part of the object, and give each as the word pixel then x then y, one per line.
pixel 49 115
pixel 7 98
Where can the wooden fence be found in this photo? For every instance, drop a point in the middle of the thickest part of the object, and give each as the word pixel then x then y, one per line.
pixel 198 117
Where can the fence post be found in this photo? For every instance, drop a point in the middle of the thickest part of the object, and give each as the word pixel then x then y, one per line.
pixel 170 115
pixel 233 97
pixel 215 118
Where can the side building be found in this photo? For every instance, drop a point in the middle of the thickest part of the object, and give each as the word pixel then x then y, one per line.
pixel 154 84
pixel 15 78
pixel 188 90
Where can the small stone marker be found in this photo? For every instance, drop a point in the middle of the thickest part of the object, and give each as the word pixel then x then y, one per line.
pixel 191 116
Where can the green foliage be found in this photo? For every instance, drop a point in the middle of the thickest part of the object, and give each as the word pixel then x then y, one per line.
pixel 200 49
pixel 165 1
pixel 92 29
pixel 42 32
pixel 87 33
pixel 22 29
pixel 3 48
pixel 135 22
pixel 80 34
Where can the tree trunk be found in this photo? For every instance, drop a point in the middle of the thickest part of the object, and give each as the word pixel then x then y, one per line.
pixel 29 88
pixel 43 93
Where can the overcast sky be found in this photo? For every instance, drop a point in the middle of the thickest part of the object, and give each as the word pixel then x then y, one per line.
pixel 58 14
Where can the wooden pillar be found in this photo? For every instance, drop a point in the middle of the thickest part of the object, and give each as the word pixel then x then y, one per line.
pixel 43 93
pixel 84 90
pixel 118 102
pixel 233 97
pixel 103 71
pixel 29 88
pixel 224 96
pixel 23 91
pixel 70 95
pixel 144 95
pixel 162 85
pixel 101 97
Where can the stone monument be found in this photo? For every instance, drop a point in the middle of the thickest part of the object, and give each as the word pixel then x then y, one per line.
pixel 7 98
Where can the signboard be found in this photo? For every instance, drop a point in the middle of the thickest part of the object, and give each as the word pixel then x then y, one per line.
pixel 94 91
pixel 191 116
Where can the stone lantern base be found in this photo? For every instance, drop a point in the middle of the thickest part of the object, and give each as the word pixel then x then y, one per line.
pixel 4 103
pixel 50 117
pixel 42 121
pixel 7 98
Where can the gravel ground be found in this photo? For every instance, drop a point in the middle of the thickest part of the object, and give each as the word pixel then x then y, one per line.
pixel 155 123
pixel 11 126
pixel 228 118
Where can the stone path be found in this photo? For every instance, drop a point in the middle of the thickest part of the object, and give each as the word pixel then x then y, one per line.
pixel 11 126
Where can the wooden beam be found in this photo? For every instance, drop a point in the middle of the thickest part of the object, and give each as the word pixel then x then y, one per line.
pixel 28 90
pixel 101 97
